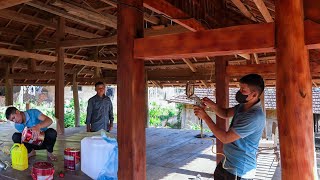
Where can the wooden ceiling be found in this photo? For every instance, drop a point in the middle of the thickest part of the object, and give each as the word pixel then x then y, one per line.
pixel 28 40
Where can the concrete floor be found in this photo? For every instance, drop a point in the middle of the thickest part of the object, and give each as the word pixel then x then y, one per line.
pixel 171 154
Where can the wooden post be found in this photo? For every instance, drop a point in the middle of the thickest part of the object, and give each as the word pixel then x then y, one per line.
pixel 9 92
pixel 131 94
pixel 147 104
pixel 97 70
pixel 76 101
pixel 262 100
pixel 8 88
pixel 59 83
pixel 222 97
pixel 294 95
pixel 27 106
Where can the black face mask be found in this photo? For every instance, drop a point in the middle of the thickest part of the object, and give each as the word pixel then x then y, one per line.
pixel 241 98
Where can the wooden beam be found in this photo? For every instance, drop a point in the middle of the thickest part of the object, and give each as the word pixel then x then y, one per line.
pixel 177 15
pixel 312 35
pixel 253 38
pixel 131 80
pixel 246 56
pixel 76 101
pixel 177 75
pixel 312 10
pixel 157 84
pixel 53 10
pixel 15 32
pixel 19 17
pixel 204 83
pixel 227 41
pixel 146 16
pixel 89 42
pixel 189 63
pixel 112 40
pixel 106 19
pixel 59 80
pixel 262 69
pixel 48 68
pixel 264 10
pixel 31 76
pixel 181 66
pixel 80 70
pixel 243 9
pixel 241 70
pixel 9 3
pixel 294 93
pixel 222 98
pixel 255 56
pixel 42 57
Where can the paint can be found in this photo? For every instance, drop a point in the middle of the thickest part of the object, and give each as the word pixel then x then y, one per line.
pixel 42 170
pixel 28 137
pixel 72 159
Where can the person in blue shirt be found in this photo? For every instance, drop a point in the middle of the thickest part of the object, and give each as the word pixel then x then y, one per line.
pixel 34 120
pixel 241 140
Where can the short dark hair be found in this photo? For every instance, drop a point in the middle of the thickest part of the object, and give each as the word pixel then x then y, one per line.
pixel 10 110
pixel 98 83
pixel 254 81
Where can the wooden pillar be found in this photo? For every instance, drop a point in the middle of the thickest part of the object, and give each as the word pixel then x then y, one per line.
pixel 131 88
pixel 222 97
pixel 262 100
pixel 27 106
pixel 59 82
pixel 97 70
pixel 76 101
pixel 9 92
pixel 294 95
pixel 8 88
pixel 147 105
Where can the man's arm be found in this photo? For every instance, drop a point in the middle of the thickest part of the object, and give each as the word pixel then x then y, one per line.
pixel 89 115
pixel 45 122
pixel 221 112
pixel 110 116
pixel 222 135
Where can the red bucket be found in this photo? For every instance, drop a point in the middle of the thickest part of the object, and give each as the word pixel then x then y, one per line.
pixel 42 171
pixel 27 137
pixel 72 159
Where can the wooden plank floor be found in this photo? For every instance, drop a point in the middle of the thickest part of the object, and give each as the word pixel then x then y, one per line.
pixel 171 154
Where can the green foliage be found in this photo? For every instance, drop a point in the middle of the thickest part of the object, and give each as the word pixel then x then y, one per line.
pixel 69 116
pixel 159 113
pixel 196 126
pixel 2 114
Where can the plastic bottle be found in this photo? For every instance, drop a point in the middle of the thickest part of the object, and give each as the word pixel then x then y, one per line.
pixel 19 157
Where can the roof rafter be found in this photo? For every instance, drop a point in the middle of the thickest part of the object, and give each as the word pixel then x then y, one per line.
pixel 22 54
pixel 9 3
pixel 13 15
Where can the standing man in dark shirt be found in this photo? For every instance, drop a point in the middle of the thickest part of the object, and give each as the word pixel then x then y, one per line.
pixel 99 111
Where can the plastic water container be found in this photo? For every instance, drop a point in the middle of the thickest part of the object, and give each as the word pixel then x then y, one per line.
pixel 94 152
pixel 19 157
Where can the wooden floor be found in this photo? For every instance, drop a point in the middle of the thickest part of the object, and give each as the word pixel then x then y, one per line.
pixel 171 154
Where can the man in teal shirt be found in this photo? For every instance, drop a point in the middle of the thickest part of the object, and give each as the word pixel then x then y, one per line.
pixel 36 121
pixel 241 140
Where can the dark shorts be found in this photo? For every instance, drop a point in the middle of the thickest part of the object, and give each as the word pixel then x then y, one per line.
pixel 222 174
